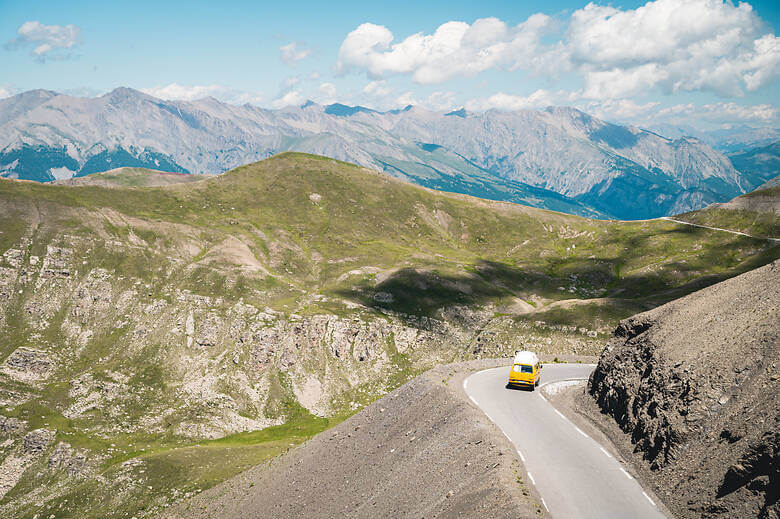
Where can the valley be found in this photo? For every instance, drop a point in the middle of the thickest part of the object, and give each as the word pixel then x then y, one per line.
pixel 147 332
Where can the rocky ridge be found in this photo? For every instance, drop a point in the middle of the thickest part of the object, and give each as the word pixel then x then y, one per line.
pixel 610 170
pixel 695 384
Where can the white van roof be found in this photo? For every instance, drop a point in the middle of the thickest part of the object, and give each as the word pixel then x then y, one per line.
pixel 526 357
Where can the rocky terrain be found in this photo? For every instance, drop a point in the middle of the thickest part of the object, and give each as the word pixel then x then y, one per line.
pixel 155 341
pixel 558 158
pixel 695 387
pixel 421 451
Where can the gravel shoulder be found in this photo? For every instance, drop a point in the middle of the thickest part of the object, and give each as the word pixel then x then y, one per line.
pixel 423 450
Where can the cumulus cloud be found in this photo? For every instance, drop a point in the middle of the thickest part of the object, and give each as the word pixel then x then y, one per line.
pixel 46 41
pixel 454 49
pixel 293 52
pixel 722 112
pixel 327 93
pixel 175 91
pixel 377 88
pixel 7 91
pixel 293 97
pixel 670 45
pixel 677 45
pixel 503 101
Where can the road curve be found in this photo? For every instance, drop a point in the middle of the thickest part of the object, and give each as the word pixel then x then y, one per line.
pixel 574 475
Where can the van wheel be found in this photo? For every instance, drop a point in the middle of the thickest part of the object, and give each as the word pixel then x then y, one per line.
pixel 533 388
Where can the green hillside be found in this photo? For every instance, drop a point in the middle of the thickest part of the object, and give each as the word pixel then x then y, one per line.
pixel 157 340
pixel 131 177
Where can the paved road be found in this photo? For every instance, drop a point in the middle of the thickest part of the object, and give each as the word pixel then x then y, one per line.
pixel 668 218
pixel 574 475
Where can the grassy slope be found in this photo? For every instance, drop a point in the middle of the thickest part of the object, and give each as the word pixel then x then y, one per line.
pixel 447 249
pixel 131 177
pixel 747 213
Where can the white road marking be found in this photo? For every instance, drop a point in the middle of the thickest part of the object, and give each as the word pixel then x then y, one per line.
pixel 465 384
pixel 507 436
pixel 542 397
pixel 545 505
pixel 580 431
pixel 532 479
pixel 560 414
pixel 648 497
pixel 605 452
pixel 521 455
pixel 626 473
pixel 475 402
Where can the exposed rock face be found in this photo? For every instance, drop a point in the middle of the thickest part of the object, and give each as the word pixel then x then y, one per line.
pixel 35 442
pixel 695 384
pixel 28 364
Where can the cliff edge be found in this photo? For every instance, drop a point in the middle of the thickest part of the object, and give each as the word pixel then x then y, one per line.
pixel 694 385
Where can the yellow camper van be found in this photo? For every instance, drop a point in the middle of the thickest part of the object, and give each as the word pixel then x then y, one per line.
pixel 525 371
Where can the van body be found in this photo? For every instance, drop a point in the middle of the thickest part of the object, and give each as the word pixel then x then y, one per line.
pixel 526 370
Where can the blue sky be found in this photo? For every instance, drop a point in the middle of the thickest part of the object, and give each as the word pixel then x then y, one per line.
pixel 699 62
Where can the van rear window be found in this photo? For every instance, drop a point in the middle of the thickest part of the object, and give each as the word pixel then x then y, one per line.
pixel 522 368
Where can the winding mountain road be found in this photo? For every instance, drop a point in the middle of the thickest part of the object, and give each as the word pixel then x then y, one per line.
pixel 575 476
pixel 670 219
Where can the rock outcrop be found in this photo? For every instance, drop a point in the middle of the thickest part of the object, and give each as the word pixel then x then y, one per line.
pixel 695 385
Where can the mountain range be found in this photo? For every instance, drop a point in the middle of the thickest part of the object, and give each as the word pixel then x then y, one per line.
pixel 557 158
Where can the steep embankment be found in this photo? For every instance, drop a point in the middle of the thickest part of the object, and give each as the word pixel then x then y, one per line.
pixel 146 332
pixel 695 385
pixel 421 451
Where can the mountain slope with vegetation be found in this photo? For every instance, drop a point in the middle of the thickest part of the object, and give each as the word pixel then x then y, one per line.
pixel 756 213
pixel 558 158
pixel 157 340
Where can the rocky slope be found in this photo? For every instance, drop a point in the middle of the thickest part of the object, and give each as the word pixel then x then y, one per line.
pixel 149 336
pixel 695 384
pixel 421 451
pixel 558 158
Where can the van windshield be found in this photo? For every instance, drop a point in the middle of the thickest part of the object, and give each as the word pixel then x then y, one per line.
pixel 522 368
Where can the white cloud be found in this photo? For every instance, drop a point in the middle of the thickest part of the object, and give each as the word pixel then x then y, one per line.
pixel 454 49
pixel 719 113
pixel 327 93
pixel 293 97
pixel 503 101
pixel 293 52
pixel 377 88
pixel 46 40
pixel 677 45
pixel 7 91
pixel 623 110
pixel 668 45
pixel 175 91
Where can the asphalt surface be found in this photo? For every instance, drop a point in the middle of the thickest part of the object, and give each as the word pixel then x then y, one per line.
pixel 575 476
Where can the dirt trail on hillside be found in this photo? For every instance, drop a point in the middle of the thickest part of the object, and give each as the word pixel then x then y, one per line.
pixel 422 451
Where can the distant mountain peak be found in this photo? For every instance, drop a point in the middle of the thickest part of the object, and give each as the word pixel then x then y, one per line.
pixel 458 113
pixel 345 110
